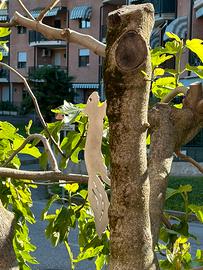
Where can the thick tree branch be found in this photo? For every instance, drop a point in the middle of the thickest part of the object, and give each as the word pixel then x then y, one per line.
pixel 170 128
pixel 174 93
pixel 42 175
pixel 190 160
pixel 52 33
pixel 35 104
pixel 48 150
pixel 47 9
pixel 25 9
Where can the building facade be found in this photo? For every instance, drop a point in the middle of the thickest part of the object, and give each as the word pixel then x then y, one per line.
pixel 30 50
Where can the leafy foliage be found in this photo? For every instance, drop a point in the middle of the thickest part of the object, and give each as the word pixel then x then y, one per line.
pixel 16 194
pixel 51 85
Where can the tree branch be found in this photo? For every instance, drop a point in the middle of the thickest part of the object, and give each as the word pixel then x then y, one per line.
pixel 42 175
pixel 189 159
pixel 52 33
pixel 35 104
pixel 174 93
pixel 52 159
pixel 25 9
pixel 47 9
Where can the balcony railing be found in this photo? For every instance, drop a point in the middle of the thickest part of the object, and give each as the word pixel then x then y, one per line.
pixel 37 39
pixel 160 6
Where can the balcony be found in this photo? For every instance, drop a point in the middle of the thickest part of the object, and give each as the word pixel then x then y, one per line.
pixel 160 6
pixel 37 39
pixel 116 2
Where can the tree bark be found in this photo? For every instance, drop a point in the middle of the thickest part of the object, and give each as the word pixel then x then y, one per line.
pixel 170 128
pixel 127 54
pixel 7 255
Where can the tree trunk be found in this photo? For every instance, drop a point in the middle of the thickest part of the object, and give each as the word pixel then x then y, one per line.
pixel 127 55
pixel 170 128
pixel 7 255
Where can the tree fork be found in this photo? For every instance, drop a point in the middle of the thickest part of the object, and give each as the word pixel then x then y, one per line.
pixel 127 55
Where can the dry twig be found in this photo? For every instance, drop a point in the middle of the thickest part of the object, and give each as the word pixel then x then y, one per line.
pixel 35 104
pixel 189 159
pixel 26 10
pixel 47 9
pixel 52 33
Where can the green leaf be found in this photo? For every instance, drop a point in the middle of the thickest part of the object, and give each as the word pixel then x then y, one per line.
pixel 162 86
pixel 173 36
pixel 198 210
pixel 28 149
pixel 4 32
pixel 89 253
pixel 100 261
pixel 7 131
pixel 159 72
pixel 157 59
pixel 181 189
pixel 72 187
pixel 28 127
pixel 70 110
pixel 196 69
pixel 48 205
pixel 196 46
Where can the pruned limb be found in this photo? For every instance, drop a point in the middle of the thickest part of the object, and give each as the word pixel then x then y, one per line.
pixel 174 93
pixel 50 154
pixel 42 175
pixel 26 10
pixel 35 104
pixel 47 9
pixel 190 160
pixel 52 33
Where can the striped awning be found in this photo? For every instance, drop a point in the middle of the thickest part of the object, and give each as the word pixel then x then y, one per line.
pixel 199 12
pixel 155 39
pixel 198 6
pixel 85 85
pixel 81 12
pixel 35 13
pixel 179 26
pixel 3 18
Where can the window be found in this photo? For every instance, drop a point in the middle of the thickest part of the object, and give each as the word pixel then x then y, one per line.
pixel 22 59
pixel 84 23
pixel 84 55
pixel 21 29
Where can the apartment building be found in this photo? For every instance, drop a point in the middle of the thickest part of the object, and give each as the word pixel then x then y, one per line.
pixel 30 50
